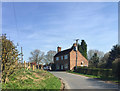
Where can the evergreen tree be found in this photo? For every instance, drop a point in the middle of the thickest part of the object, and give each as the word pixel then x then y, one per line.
pixel 114 54
pixel 83 48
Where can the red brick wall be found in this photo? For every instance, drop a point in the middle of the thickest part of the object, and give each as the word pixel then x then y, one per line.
pixel 72 62
pixel 62 62
pixel 79 59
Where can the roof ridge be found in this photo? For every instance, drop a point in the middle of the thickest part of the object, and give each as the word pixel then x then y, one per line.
pixel 64 52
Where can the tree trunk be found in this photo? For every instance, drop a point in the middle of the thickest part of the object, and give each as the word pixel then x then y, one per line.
pixel 38 65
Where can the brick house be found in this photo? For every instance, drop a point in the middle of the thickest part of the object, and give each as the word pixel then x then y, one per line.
pixel 66 59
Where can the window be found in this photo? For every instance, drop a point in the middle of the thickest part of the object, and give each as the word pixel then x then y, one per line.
pixel 66 56
pixel 66 66
pixel 57 58
pixel 61 57
pixel 57 66
pixel 82 63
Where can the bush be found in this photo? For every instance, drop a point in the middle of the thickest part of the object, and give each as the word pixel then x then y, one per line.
pixel 95 72
pixel 116 67
pixel 104 73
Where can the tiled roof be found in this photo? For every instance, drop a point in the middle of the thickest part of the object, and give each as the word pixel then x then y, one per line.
pixel 64 52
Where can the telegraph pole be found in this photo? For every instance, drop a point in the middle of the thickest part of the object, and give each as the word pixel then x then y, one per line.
pixel 21 55
pixel 76 51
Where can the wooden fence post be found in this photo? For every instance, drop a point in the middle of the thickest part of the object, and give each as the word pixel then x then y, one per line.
pixel 24 65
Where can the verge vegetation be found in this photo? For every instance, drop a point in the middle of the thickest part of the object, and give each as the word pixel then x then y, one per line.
pixel 28 79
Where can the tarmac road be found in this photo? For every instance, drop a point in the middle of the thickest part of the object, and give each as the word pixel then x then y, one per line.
pixel 73 81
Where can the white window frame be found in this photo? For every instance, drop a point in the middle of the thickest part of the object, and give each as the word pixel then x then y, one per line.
pixel 82 63
pixel 65 56
pixel 57 58
pixel 61 57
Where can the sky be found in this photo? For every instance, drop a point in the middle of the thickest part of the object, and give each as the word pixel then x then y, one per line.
pixel 47 25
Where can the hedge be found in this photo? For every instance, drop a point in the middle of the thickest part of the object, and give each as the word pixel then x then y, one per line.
pixel 95 71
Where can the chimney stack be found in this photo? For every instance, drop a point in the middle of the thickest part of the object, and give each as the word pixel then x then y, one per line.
pixel 74 44
pixel 75 47
pixel 58 49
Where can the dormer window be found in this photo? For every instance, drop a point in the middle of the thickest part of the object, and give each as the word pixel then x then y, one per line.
pixel 57 58
pixel 61 57
pixel 65 56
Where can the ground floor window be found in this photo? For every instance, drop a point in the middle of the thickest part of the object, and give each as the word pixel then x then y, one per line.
pixel 66 66
pixel 57 66
pixel 82 63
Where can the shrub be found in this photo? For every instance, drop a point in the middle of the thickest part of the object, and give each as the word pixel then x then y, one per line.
pixel 89 71
pixel 95 72
pixel 104 73
pixel 116 67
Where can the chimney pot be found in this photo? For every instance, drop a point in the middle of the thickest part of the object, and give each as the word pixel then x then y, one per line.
pixel 74 44
pixel 75 47
pixel 58 49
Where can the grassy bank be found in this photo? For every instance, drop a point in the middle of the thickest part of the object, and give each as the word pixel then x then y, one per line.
pixel 28 79
pixel 98 77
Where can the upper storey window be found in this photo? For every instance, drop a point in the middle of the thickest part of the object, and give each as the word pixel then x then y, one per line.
pixel 65 56
pixel 61 57
pixel 57 58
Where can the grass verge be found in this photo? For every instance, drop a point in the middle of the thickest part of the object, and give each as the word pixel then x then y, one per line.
pixel 28 79
pixel 98 77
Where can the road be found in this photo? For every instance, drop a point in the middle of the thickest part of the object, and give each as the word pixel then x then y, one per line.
pixel 73 81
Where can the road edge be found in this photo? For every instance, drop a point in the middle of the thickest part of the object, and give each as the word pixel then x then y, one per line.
pixel 94 78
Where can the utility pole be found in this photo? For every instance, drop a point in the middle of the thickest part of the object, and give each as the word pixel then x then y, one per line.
pixel 21 55
pixel 76 51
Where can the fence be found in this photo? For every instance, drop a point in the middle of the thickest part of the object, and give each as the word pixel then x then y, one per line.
pixel 8 69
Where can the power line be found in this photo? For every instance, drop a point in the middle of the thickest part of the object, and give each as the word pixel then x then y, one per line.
pixel 16 23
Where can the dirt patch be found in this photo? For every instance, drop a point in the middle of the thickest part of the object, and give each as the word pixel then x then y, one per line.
pixel 36 75
pixel 23 78
pixel 111 82
pixel 62 88
pixel 39 77
pixel 43 74
pixel 28 76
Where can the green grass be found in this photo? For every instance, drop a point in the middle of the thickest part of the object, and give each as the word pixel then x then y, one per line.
pixel 97 77
pixel 28 79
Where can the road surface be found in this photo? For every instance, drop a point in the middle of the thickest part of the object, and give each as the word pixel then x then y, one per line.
pixel 73 81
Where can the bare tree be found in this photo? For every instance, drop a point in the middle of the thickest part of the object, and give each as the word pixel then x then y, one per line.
pixel 49 57
pixel 91 52
pixel 104 60
pixel 41 57
pixel 37 56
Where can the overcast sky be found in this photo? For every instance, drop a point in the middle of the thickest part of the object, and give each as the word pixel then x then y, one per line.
pixel 47 25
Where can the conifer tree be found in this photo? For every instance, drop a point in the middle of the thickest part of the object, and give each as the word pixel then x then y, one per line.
pixel 83 48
